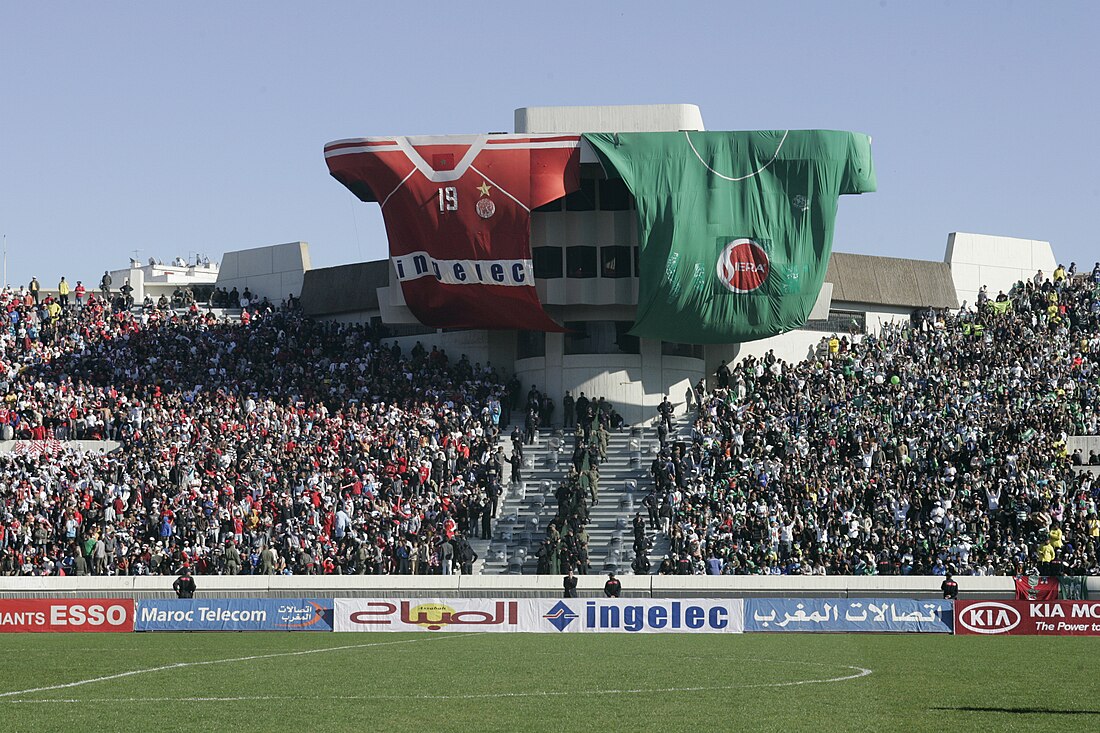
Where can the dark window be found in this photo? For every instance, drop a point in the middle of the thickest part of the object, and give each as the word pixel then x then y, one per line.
pixel 580 261
pixel 584 198
pixel 691 351
pixel 530 344
pixel 410 329
pixel 614 195
pixel 840 323
pixel 615 261
pixel 547 262
pixel 600 337
pixel 554 205
pixel 637 262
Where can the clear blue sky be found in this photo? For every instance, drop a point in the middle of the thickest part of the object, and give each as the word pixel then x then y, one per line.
pixel 173 128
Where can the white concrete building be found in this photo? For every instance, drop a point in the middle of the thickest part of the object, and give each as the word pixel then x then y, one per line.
pixel 157 278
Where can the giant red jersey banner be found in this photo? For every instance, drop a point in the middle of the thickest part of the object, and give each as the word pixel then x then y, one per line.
pixel 1054 618
pixel 458 218
pixel 55 614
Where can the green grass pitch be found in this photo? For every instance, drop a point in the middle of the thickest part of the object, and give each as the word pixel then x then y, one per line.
pixel 542 682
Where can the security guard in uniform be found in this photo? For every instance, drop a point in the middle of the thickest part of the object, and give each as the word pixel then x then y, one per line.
pixel 185 584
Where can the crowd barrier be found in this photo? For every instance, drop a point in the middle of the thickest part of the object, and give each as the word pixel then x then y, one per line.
pixel 553 615
pixel 511 586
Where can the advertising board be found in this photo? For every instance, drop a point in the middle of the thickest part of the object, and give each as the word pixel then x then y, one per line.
pixel 545 615
pixel 1043 618
pixel 53 614
pixel 848 614
pixel 234 614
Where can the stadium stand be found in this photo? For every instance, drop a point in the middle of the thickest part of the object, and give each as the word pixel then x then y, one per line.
pixel 272 443
pixel 257 445
pixel 935 445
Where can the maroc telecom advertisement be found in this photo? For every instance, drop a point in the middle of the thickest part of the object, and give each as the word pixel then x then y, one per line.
pixel 688 616
pixel 1043 618
pixel 54 614
pixel 234 614
pixel 848 614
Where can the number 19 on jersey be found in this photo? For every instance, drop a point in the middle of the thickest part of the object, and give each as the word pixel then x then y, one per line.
pixel 448 198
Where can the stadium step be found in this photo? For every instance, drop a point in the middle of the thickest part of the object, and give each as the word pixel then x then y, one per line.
pixel 527 508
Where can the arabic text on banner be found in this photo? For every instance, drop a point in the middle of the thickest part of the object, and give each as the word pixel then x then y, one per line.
pixel 234 614
pixel 848 614
pixel 546 615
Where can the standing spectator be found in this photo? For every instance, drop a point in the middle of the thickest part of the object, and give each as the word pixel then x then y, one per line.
pixel 722 376
pixel 950 588
pixel 569 583
pixel 582 408
pixel 567 406
pixel 184 586
pixel 612 588
pixel 446 556
pixel 665 410
pixel 127 294
pixel 268 561
pixel 79 291
pixel 63 292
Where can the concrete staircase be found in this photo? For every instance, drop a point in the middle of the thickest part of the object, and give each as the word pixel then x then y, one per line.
pixel 525 510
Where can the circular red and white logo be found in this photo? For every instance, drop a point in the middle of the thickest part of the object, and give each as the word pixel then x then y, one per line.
pixel 485 208
pixel 743 266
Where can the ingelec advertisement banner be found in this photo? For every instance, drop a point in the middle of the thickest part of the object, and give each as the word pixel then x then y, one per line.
pixel 547 615
pixel 52 614
pixel 1042 618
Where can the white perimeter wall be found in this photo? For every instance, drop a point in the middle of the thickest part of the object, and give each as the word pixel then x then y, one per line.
pixel 657 586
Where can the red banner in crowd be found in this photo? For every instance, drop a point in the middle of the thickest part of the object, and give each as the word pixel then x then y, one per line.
pixel 1042 618
pixel 458 217
pixel 52 614
pixel 1036 588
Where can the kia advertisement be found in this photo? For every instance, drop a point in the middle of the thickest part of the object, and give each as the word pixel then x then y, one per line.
pixel 49 614
pixel 1016 618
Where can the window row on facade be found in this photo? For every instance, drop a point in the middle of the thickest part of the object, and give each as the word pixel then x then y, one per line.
pixel 597 337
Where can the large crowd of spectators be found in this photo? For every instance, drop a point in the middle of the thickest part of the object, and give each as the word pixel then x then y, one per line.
pixel 933 445
pixel 266 444
pixel 271 443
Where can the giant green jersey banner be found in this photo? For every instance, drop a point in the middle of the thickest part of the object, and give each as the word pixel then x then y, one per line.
pixel 735 227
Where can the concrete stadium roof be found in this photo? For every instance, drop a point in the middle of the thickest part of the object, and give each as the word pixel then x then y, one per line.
pixel 891 281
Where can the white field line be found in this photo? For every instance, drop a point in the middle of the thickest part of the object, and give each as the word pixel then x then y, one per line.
pixel 859 672
pixel 181 665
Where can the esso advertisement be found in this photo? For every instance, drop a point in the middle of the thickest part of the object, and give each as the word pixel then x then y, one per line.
pixel 1042 618
pixel 49 614
pixel 541 615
